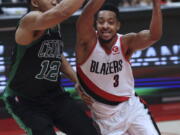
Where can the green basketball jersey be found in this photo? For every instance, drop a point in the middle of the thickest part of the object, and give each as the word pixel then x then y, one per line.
pixel 36 67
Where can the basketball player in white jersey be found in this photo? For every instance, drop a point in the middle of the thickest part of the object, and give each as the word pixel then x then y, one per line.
pixel 105 73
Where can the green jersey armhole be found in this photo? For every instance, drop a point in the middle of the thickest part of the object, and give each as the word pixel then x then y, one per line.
pixel 33 42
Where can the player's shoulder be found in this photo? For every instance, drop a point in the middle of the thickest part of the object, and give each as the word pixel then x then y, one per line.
pixel 29 17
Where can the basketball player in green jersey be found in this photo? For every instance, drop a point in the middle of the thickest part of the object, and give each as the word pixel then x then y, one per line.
pixel 33 95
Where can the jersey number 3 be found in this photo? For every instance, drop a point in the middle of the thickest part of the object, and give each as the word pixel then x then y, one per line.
pixel 116 81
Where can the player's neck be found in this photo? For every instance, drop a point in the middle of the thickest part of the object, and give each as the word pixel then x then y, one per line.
pixel 107 44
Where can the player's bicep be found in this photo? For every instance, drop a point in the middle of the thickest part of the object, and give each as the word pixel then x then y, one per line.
pixel 139 41
pixel 32 21
pixel 24 30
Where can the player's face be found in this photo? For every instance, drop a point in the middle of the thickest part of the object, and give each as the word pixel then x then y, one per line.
pixel 107 25
pixel 44 5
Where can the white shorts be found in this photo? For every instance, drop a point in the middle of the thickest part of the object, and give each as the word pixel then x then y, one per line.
pixel 127 118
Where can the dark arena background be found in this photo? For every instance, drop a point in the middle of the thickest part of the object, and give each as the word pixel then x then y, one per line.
pixel 156 69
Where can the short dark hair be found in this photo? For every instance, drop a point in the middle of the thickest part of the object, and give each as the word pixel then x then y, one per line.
pixel 110 7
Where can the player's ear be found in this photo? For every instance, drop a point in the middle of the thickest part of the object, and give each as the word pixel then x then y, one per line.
pixel 34 3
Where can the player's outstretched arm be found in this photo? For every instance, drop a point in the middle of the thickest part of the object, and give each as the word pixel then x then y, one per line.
pixel 85 23
pixel 145 38
pixel 85 32
pixel 37 20
pixel 34 23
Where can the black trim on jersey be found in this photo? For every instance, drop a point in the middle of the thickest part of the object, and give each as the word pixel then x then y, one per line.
pixel 153 121
pixel 96 97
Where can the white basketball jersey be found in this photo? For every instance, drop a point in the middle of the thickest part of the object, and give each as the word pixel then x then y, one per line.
pixel 107 75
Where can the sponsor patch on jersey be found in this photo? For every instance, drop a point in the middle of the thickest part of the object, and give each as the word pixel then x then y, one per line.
pixel 115 50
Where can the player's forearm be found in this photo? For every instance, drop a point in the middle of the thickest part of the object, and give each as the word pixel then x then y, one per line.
pixel 156 21
pixel 85 22
pixel 93 6
pixel 71 74
pixel 89 11
pixel 69 6
pixel 56 15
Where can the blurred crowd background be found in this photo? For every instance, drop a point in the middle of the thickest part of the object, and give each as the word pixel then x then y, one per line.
pixel 122 3
pixel 129 3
